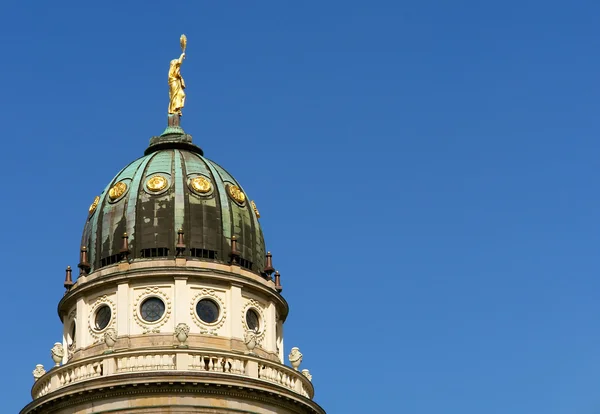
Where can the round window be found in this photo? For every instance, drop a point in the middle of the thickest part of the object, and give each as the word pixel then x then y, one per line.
pixel 252 320
pixel 152 309
pixel 103 315
pixel 207 310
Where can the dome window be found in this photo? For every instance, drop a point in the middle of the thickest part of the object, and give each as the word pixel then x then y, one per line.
pixel 203 253
pixel 107 261
pixel 252 320
pixel 246 264
pixel 103 316
pixel 152 309
pixel 207 310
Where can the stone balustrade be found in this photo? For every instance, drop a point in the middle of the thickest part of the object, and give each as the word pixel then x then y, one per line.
pixel 178 360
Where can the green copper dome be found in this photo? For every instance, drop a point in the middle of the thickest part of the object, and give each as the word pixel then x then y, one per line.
pixel 173 187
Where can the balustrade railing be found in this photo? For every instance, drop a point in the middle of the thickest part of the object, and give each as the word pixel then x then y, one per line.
pixel 124 362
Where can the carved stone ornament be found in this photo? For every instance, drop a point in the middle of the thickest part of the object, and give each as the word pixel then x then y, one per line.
pixel 71 350
pixel 103 300
pixel 157 183
pixel 236 193
pixel 94 205
pixel 251 340
pixel 182 331
pixel 307 374
pixel 208 328
pixel 151 327
pixel 200 185
pixel 295 358
pixel 110 339
pixel 38 372
pixel 258 308
pixel 57 352
pixel 117 191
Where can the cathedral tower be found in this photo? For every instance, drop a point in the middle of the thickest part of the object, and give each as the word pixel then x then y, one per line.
pixel 177 307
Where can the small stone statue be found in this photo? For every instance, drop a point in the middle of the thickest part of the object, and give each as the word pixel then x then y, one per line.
pixel 38 372
pixel 251 339
pixel 295 358
pixel 307 374
pixel 182 332
pixel 110 339
pixel 57 352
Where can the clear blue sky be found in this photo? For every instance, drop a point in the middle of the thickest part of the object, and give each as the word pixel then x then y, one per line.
pixel 427 174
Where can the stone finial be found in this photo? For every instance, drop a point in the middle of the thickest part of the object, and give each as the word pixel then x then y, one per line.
pixel 269 267
pixel 110 339
pixel 38 372
pixel 278 286
pixel 68 279
pixel 235 254
pixel 307 374
pixel 84 265
pixel 182 331
pixel 295 358
pixel 180 247
pixel 57 352
pixel 124 252
pixel 251 340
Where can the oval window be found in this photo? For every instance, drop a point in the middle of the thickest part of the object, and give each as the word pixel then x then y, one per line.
pixel 152 309
pixel 103 315
pixel 207 310
pixel 252 320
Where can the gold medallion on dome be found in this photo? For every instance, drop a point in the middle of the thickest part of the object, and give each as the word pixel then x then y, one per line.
pixel 236 194
pixel 200 185
pixel 94 204
pixel 253 204
pixel 117 190
pixel 157 183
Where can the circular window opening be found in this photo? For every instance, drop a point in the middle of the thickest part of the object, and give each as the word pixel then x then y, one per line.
pixel 207 310
pixel 252 320
pixel 103 315
pixel 152 309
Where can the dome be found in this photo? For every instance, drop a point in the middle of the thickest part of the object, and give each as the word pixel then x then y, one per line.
pixel 173 201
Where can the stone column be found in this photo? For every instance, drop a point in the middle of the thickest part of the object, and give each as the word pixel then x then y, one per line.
pixel 235 304
pixel 181 301
pixel 123 312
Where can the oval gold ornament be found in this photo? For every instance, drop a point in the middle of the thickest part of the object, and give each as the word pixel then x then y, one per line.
pixel 236 193
pixel 157 183
pixel 94 204
pixel 253 204
pixel 200 185
pixel 117 190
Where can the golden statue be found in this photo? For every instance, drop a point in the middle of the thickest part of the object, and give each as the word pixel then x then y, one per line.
pixel 176 83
